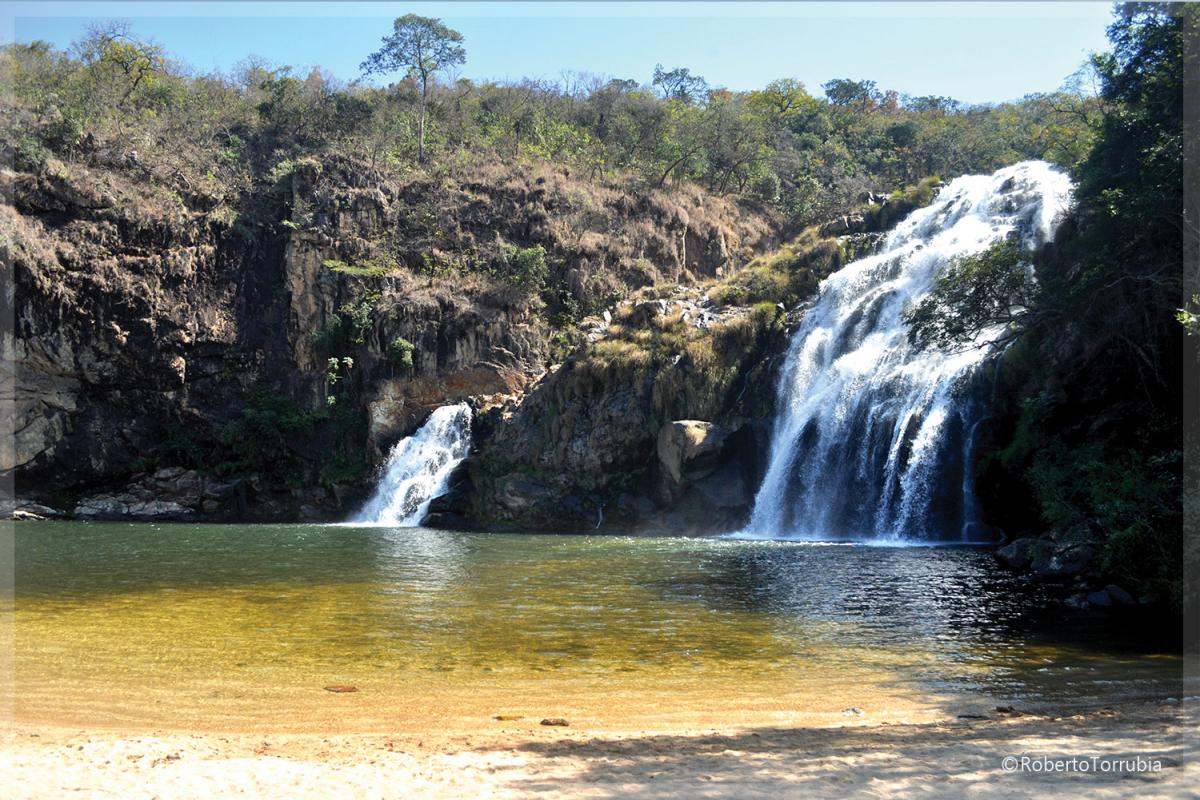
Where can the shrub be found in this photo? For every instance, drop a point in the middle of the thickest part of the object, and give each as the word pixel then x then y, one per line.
pixel 400 353
pixel 30 155
pixel 258 441
pixel 523 268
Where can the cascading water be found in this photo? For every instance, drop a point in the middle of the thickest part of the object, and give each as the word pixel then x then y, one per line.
pixel 872 437
pixel 418 467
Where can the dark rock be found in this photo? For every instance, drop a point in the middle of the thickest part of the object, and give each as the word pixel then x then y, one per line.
pixel 1119 596
pixel 555 721
pixel 1017 554
pixel 1063 562
pixel 1078 600
pixel 456 501
pixel 518 493
pixel 724 488
pixel 634 506
pixel 1099 599
pixel 446 521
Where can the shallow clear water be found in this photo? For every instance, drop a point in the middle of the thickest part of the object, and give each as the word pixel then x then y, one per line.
pixel 241 626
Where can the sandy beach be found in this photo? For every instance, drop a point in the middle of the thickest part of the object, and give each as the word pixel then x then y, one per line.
pixel 522 758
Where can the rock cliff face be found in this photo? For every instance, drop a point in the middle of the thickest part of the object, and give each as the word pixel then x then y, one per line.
pixel 660 424
pixel 162 330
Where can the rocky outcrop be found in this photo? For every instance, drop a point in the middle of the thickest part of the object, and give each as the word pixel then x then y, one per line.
pixel 168 494
pixel 149 316
pixel 1068 560
pixel 688 449
pixel 658 423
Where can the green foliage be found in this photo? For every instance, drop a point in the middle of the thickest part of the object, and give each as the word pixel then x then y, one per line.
pixel 30 154
pixel 1102 336
pixel 1189 316
pixel 809 157
pixel 1127 496
pixel 348 327
pixel 973 295
pixel 258 441
pixel 337 371
pixel 290 166
pixel 523 268
pixel 424 47
pixel 400 353
pixel 680 84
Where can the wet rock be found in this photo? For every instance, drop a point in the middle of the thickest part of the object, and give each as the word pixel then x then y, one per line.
pixel 100 507
pixel 634 506
pixel 158 509
pixel 28 510
pixel 310 513
pixel 1018 554
pixel 1063 562
pixel 446 521
pixel 518 493
pixel 1119 596
pixel 724 488
pixel 1078 600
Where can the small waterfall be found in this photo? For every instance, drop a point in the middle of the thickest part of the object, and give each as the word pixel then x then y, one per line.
pixel 418 467
pixel 873 438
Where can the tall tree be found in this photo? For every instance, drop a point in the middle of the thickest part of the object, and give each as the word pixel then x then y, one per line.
pixel 680 84
pixel 423 46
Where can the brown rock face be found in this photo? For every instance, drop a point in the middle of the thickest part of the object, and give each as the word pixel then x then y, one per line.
pixel 146 322
pixel 689 448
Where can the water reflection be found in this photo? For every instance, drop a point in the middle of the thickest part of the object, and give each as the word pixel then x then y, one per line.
pixel 299 602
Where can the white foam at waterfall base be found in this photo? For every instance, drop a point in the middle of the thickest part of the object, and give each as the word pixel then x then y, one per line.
pixel 872 437
pixel 418 468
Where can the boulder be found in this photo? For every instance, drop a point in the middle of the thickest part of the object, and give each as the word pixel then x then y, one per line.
pixel 1063 562
pixel 100 507
pixel 1017 554
pixel 688 449
pixel 1119 596
pixel 646 311
pixel 1099 599
pixel 724 488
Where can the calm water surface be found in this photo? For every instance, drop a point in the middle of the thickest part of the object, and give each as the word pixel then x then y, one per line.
pixel 242 626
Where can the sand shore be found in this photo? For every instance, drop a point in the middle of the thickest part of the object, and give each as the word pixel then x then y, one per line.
pixel 860 758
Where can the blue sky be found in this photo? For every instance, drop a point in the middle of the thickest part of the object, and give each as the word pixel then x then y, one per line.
pixel 975 52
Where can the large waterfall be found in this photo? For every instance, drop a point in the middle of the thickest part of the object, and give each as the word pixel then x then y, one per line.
pixel 872 437
pixel 418 467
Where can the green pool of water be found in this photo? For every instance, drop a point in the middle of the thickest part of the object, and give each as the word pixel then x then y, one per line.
pixel 244 625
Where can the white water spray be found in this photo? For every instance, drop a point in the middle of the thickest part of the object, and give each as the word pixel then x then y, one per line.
pixel 872 437
pixel 418 467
